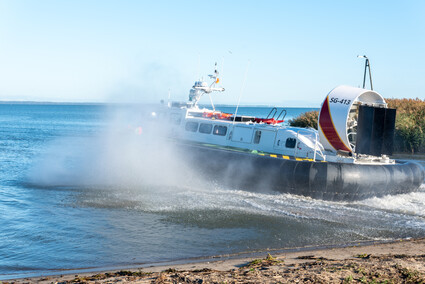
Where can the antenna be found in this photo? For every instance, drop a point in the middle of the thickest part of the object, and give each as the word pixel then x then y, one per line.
pixel 222 69
pixel 242 89
pixel 199 65
pixel 366 67
pixel 212 104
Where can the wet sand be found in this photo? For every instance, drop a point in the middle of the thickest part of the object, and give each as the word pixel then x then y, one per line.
pixel 401 261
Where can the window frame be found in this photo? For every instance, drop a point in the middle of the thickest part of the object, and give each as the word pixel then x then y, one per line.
pixel 189 128
pixel 257 137
pixel 217 132
pixel 203 125
pixel 290 143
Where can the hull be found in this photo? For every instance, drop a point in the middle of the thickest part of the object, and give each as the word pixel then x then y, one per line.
pixel 319 180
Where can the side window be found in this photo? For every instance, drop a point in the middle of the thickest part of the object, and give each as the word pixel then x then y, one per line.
pixel 205 128
pixel 175 118
pixel 257 136
pixel 220 130
pixel 290 143
pixel 191 126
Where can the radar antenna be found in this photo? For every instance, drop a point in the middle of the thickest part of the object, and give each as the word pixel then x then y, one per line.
pixel 200 88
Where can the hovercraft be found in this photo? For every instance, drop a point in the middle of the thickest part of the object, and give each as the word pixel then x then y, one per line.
pixel 347 158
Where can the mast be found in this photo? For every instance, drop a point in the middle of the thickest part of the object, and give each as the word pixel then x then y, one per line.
pixel 201 87
pixel 366 67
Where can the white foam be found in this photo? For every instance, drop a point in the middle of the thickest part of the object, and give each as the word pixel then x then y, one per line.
pixel 411 203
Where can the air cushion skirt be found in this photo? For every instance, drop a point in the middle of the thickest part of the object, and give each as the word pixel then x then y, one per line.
pixel 316 179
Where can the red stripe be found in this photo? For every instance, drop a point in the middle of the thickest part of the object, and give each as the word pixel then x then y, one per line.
pixel 328 128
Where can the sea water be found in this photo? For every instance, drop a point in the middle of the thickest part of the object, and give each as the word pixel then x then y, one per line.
pixel 76 193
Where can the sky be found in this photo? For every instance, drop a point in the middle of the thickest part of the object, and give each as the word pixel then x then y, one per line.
pixel 283 53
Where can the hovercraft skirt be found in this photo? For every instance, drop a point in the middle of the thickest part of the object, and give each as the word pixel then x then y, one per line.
pixel 328 181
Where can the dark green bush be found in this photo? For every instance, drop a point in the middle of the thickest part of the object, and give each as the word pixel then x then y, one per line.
pixel 307 119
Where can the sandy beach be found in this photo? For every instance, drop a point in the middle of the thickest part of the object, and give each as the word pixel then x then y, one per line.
pixel 401 261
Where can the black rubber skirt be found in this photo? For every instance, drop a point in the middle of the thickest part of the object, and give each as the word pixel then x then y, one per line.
pixel 320 180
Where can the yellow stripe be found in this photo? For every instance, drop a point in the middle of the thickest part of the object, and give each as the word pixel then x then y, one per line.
pixel 262 154
pixel 285 157
pixel 273 156
pixel 298 159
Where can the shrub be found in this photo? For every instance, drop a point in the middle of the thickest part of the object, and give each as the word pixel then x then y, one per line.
pixel 410 124
pixel 307 119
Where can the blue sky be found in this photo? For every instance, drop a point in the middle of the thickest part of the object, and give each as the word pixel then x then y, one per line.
pixel 293 52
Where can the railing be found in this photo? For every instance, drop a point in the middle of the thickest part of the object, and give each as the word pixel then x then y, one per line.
pixel 274 111
pixel 316 151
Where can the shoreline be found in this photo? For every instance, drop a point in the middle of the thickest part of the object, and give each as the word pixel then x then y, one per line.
pixel 192 260
pixel 401 255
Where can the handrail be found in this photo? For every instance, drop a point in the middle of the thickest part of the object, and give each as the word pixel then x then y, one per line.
pixel 283 110
pixel 296 144
pixel 320 151
pixel 316 151
pixel 273 109
pixel 273 112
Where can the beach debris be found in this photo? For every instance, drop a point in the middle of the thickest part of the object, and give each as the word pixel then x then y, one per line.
pixel 269 260
pixel 170 270
pixel 306 257
pixel 364 256
pixel 386 268
pixel 312 257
